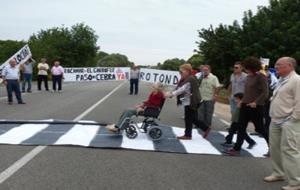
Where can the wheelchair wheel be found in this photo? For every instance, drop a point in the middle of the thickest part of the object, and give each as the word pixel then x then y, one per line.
pixel 155 133
pixel 131 131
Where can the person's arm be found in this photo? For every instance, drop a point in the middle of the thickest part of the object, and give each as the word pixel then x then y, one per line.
pixel 181 90
pixel 296 111
pixel 217 87
pixel 62 71
pixel 4 75
pixel 47 67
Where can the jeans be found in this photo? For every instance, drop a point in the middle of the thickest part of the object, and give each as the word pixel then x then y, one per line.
pixel 233 105
pixel 27 77
pixel 206 111
pixel 13 86
pixel 135 83
pixel 56 79
pixel 42 78
pixel 122 123
pixel 233 129
pixel 248 114
pixel 190 118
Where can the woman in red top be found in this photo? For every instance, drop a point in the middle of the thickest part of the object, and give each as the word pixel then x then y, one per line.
pixel 155 100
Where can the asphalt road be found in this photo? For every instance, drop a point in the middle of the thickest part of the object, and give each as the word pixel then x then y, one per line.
pixel 75 168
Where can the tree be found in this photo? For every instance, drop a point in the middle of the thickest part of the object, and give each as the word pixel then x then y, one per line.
pixel 171 64
pixel 114 60
pixel 196 60
pixel 273 32
pixel 9 48
pixel 75 47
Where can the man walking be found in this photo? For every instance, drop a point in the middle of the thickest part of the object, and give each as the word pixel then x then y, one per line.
pixel 11 76
pixel 285 126
pixel 27 70
pixel 208 89
pixel 237 84
pixel 43 68
pixel 134 80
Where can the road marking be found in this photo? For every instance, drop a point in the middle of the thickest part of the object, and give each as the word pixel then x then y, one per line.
pixel 222 120
pixel 11 170
pixel 225 122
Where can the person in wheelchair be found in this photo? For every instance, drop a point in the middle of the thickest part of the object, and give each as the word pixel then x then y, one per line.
pixel 154 102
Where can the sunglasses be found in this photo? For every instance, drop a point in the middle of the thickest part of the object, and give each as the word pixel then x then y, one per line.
pixel 236 67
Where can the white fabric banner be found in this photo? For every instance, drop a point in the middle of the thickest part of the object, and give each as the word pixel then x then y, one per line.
pixel 119 73
pixel 155 75
pixel 21 56
pixel 96 73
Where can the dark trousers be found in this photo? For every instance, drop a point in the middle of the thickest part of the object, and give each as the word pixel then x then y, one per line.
pixel 40 79
pixel 248 114
pixel 134 83
pixel 206 111
pixel 56 80
pixel 234 127
pixel 267 118
pixel 27 77
pixel 190 118
pixel 13 86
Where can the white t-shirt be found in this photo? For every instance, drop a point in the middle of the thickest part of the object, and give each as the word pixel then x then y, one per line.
pixel 43 72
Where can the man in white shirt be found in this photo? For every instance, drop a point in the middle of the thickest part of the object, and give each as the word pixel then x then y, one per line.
pixel 11 76
pixel 285 126
pixel 209 88
pixel 43 68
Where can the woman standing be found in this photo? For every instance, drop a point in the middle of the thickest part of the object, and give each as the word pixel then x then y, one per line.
pixel 43 68
pixel 252 107
pixel 188 95
pixel 57 76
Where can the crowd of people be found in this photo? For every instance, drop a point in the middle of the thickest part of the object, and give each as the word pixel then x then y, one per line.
pixel 18 77
pixel 271 101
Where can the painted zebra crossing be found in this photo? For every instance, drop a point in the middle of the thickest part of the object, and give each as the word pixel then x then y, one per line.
pixel 96 136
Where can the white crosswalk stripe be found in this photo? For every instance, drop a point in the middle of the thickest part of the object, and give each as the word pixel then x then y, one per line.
pixel 20 133
pixel 78 135
pixel 97 136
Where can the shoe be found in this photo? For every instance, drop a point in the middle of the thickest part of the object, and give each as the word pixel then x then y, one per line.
pixel 10 103
pixel 21 103
pixel 267 154
pixel 205 134
pixel 290 187
pixel 112 128
pixel 130 93
pixel 23 91
pixel 250 146
pixel 232 152
pixel 184 138
pixel 226 144
pixel 272 178
pixel 29 91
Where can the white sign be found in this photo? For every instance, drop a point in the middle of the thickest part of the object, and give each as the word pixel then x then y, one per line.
pixel 21 56
pixel 265 61
pixel 164 77
pixel 96 73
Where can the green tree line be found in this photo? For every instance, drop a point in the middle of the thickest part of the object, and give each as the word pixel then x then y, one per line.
pixel 74 47
pixel 272 32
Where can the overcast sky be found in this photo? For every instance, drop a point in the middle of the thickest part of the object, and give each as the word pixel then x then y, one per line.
pixel 147 31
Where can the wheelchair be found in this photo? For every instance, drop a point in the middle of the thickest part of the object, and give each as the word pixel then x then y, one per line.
pixel 149 124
